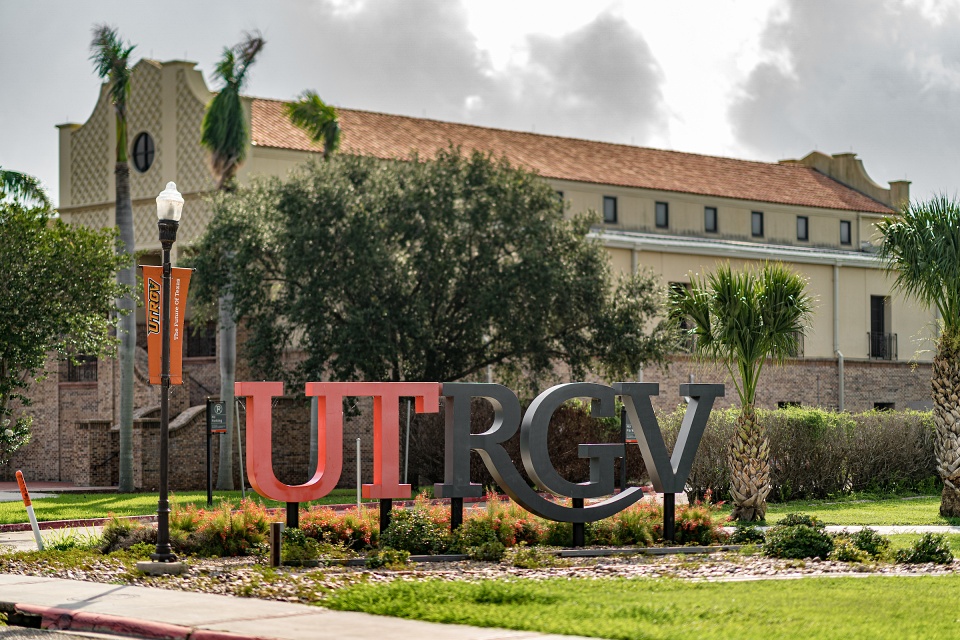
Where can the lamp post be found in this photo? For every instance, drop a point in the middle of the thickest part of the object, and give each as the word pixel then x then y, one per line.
pixel 169 208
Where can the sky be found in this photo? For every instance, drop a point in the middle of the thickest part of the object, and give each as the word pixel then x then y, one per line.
pixel 753 79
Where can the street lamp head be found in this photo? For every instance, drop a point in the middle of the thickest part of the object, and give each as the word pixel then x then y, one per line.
pixel 170 203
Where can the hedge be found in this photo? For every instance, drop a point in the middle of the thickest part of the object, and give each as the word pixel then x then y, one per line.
pixel 816 453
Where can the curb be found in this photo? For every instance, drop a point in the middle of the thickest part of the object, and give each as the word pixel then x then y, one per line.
pixel 55 618
pixel 63 524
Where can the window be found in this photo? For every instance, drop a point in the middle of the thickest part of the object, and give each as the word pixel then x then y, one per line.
pixel 143 152
pixel 845 232
pixel 883 406
pixel 663 215
pixel 882 345
pixel 609 209
pixel 803 228
pixel 710 219
pixel 756 224
pixel 83 369
pixel 201 340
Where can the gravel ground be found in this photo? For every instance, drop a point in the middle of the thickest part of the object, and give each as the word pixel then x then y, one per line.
pixel 246 577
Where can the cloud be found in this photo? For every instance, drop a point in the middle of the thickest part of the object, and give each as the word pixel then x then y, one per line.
pixel 878 78
pixel 600 81
pixel 420 58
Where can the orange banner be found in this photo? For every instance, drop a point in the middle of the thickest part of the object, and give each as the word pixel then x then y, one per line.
pixel 153 303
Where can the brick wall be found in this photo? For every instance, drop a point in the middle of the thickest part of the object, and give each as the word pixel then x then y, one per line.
pixel 39 460
pixel 810 382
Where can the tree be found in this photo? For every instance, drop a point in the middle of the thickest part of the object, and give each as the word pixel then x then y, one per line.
pixel 57 292
pixel 318 119
pixel 225 135
pixel 23 187
pixel 111 57
pixel 418 270
pixel 922 247
pixel 741 318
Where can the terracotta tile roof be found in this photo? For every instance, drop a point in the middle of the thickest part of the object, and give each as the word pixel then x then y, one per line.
pixel 390 136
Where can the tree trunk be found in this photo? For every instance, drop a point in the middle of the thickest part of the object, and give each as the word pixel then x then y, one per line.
pixel 228 368
pixel 749 467
pixel 946 417
pixel 127 327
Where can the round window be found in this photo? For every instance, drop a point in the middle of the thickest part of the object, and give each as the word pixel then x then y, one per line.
pixel 143 152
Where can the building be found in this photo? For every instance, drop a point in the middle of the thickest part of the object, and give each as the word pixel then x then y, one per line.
pixel 674 212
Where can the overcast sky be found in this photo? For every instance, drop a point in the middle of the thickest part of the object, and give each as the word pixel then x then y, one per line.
pixel 741 78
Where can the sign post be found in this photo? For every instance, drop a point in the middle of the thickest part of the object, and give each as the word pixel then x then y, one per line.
pixel 216 423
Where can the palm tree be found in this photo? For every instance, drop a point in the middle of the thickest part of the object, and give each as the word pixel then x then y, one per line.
pixel 318 119
pixel 225 135
pixel 23 187
pixel 741 318
pixel 111 58
pixel 922 247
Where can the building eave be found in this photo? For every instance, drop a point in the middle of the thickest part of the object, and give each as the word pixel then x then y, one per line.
pixel 732 249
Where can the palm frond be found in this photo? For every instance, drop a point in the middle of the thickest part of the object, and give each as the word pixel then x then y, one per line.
pixel 224 132
pixel 23 187
pixel 921 246
pixel 317 118
pixel 111 58
pixel 740 318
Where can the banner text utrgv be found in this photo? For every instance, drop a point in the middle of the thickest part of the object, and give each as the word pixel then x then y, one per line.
pixel 667 472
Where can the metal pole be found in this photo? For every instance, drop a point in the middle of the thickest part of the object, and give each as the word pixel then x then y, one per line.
pixel 276 543
pixel 164 552
pixel 358 474
pixel 386 506
pixel 579 529
pixel 669 517
pixel 293 515
pixel 456 513
pixel 406 449
pixel 209 457
pixel 236 426
pixel 623 438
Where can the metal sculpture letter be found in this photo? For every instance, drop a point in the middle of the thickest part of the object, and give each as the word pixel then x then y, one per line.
pixel 386 436
pixel 668 473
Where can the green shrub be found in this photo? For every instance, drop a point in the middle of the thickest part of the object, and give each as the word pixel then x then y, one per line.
pixel 747 533
pixel 492 551
pixel 477 538
pixel 351 529
pixel 387 559
pixel 524 557
pixel 930 547
pixel 298 547
pixel 844 550
pixel 123 535
pixel 227 532
pixel 634 525
pixel 416 531
pixel 798 536
pixel 868 540
pixel 794 519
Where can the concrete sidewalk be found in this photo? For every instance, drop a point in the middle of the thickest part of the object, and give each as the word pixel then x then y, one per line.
pixel 145 612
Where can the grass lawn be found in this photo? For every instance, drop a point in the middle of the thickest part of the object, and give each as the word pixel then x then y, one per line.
pixel 904 540
pixel 872 607
pixel 80 506
pixel 881 511
pixel 70 506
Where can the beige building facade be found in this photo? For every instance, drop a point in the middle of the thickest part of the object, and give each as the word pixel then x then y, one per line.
pixel 674 213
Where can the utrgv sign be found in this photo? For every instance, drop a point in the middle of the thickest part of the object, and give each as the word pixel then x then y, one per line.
pixel 668 473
